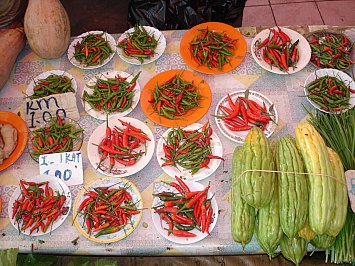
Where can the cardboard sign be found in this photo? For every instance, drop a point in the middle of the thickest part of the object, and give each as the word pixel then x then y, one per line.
pixel 350 182
pixel 40 111
pixel 68 166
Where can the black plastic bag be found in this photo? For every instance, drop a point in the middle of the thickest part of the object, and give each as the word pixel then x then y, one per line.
pixel 184 14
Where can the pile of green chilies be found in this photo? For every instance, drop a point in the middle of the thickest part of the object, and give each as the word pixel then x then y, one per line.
pixel 330 50
pixel 189 149
pixel 139 44
pixel 92 50
pixel 212 49
pixel 175 97
pixel 53 84
pixel 330 93
pixel 56 137
pixel 111 94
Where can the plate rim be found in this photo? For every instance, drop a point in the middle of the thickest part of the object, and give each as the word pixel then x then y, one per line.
pixel 333 32
pixel 127 112
pixel 70 51
pixel 45 74
pixel 87 186
pixel 22 130
pixel 192 239
pixel 326 72
pixel 211 25
pixel 147 159
pixel 162 121
pixel 243 91
pixel 44 177
pixel 187 175
pixel 123 35
pixel 306 49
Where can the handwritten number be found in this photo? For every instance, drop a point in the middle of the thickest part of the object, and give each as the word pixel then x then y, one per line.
pixel 67 174
pixel 48 115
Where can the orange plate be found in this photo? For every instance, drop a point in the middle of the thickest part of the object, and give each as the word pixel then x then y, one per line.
pixel 22 136
pixel 191 116
pixel 235 60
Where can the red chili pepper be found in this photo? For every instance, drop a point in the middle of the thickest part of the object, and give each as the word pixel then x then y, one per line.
pixel 183 184
pixel 208 220
pixel 167 209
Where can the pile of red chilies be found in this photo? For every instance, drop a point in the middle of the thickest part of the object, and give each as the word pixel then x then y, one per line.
pixel 185 210
pixel 119 145
pixel 106 210
pixel 278 50
pixel 38 206
pixel 244 113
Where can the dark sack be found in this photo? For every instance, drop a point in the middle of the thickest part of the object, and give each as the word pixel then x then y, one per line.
pixel 184 14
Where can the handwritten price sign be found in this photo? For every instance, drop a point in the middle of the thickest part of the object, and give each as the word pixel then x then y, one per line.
pixel 39 111
pixel 68 166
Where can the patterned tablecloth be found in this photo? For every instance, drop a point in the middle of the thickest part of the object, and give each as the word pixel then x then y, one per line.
pixel 285 91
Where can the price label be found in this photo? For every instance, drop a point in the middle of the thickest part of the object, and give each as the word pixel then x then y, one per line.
pixel 68 166
pixel 350 182
pixel 39 111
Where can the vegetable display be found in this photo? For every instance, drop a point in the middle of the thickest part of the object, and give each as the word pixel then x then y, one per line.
pixel 92 50
pixel 8 141
pixel 189 149
pixel 38 207
pixel 293 187
pixel 243 113
pixel 243 215
pixel 53 84
pixel 293 249
pixel 279 50
pixel 330 50
pixel 122 145
pixel 321 184
pixel 268 229
pixel 111 94
pixel 257 187
pixel 338 131
pixel 139 44
pixel 184 210
pixel 106 210
pixel 330 93
pixel 212 49
pixel 60 135
pixel 175 97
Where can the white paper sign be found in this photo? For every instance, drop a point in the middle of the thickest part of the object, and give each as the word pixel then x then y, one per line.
pixel 350 182
pixel 68 166
pixel 39 111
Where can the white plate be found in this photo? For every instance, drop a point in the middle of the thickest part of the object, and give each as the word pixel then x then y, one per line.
pixel 57 185
pixel 119 170
pixel 303 48
pixel 159 50
pixel 113 183
pixel 160 224
pixel 333 73
pixel 71 49
pixel 29 90
pixel 110 74
pixel 239 136
pixel 217 149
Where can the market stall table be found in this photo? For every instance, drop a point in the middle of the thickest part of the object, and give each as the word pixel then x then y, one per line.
pixel 285 91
